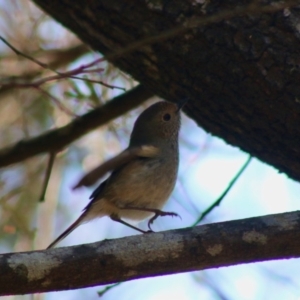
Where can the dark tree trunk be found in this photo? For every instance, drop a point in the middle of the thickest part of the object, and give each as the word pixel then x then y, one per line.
pixel 241 74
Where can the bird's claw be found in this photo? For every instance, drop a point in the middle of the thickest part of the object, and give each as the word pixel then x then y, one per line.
pixel 161 214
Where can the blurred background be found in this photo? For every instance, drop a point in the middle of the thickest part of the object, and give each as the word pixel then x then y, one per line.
pixel 207 165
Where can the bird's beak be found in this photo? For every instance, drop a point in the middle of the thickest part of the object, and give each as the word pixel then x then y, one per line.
pixel 181 103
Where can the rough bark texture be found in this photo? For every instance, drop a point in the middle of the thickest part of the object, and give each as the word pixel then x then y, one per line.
pixel 169 252
pixel 241 74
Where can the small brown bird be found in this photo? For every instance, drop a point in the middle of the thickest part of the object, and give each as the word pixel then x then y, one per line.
pixel 143 175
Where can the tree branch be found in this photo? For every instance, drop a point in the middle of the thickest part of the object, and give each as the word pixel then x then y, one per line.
pixel 237 64
pixel 202 247
pixel 55 140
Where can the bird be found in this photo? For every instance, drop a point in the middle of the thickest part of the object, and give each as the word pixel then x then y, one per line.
pixel 142 177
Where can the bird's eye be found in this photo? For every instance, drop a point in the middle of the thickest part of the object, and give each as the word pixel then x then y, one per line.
pixel 167 117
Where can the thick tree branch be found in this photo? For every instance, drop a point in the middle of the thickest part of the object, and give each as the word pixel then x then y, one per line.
pixel 240 71
pixel 55 140
pixel 203 247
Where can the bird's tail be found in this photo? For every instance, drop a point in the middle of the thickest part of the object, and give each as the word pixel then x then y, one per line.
pixel 78 222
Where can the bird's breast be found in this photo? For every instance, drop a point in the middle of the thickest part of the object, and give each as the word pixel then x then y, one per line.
pixel 143 182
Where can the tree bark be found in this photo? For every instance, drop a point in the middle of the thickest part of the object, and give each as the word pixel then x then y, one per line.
pixel 203 247
pixel 240 73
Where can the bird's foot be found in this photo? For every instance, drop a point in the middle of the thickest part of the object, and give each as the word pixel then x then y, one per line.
pixel 160 213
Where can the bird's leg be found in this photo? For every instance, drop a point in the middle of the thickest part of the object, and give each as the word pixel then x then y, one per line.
pixel 117 219
pixel 157 213
pixel 160 213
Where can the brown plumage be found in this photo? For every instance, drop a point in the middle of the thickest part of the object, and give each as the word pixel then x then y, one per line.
pixel 143 175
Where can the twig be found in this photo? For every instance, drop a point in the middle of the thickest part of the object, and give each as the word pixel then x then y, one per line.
pixel 41 64
pixel 100 82
pixel 92 70
pixel 58 58
pixel 46 66
pixel 47 175
pixel 60 75
pixel 108 288
pixel 219 200
pixel 14 83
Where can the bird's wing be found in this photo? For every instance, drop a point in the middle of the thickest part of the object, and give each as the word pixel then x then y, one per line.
pixel 116 162
pixel 97 192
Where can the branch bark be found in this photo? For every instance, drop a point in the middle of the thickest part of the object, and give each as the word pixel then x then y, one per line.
pixel 240 72
pixel 203 247
pixel 55 140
